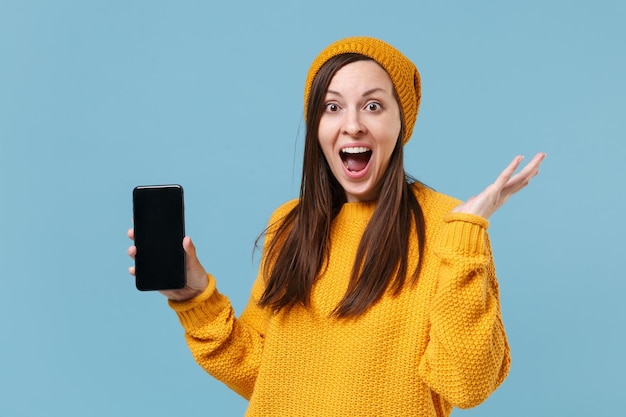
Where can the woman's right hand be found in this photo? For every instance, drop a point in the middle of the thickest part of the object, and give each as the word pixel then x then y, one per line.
pixel 197 280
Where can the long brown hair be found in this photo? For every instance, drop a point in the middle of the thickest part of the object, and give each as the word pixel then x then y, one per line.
pixel 299 248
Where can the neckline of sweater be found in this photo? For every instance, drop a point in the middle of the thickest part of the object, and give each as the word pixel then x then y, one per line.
pixel 361 210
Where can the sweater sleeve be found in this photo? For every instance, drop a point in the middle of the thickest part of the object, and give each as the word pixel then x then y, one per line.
pixel 467 356
pixel 227 347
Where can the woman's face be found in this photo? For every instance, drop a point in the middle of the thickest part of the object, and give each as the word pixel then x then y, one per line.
pixel 359 128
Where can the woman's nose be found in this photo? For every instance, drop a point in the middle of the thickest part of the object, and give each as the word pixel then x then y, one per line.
pixel 353 123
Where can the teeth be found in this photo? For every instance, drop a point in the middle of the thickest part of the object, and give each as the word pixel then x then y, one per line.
pixel 355 149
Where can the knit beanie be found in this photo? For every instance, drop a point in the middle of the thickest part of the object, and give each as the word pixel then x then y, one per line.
pixel 403 73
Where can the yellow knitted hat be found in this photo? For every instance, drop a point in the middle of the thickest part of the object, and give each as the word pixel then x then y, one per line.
pixel 403 73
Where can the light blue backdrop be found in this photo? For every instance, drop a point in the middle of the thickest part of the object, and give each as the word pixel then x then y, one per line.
pixel 99 96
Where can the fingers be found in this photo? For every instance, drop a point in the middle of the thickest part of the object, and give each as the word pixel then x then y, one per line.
pixel 132 250
pixel 522 179
pixel 532 168
pixel 533 165
pixel 508 172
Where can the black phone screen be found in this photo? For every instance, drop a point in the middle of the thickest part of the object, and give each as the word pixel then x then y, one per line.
pixel 159 223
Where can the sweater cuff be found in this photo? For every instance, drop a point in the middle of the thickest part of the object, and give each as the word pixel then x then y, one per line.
pixel 464 233
pixel 202 309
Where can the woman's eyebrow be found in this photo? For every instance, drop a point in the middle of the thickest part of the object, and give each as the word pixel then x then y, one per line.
pixel 373 90
pixel 367 93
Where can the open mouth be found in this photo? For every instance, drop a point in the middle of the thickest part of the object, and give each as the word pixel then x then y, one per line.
pixel 355 158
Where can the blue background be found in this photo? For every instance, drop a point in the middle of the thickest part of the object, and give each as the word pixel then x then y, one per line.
pixel 99 96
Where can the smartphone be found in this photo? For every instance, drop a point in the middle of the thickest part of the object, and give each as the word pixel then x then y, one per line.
pixel 159 221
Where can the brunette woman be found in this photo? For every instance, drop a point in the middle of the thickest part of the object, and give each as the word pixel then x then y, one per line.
pixel 376 295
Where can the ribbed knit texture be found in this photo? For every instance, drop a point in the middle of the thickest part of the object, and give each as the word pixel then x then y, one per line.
pixel 440 343
pixel 403 73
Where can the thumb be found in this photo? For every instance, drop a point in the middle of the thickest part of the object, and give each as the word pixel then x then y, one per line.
pixel 190 248
pixel 196 275
pixel 190 252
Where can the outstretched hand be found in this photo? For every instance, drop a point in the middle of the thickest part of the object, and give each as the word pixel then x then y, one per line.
pixel 495 195
pixel 197 280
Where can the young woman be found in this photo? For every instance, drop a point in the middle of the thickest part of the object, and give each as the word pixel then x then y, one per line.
pixel 376 295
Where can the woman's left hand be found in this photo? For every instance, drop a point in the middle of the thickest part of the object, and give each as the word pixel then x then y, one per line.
pixel 507 184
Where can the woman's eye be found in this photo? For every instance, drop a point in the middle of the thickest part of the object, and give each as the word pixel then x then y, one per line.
pixel 332 107
pixel 374 106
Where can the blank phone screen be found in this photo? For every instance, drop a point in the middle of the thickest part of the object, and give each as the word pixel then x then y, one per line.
pixel 159 231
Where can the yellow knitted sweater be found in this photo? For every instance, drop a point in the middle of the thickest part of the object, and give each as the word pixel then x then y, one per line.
pixel 438 344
